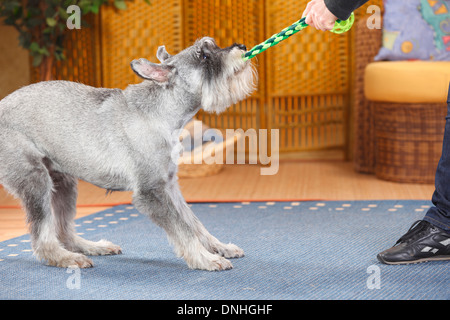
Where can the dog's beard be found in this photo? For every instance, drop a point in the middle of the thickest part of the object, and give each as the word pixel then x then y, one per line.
pixel 237 82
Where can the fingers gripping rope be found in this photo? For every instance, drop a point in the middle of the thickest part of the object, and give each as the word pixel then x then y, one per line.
pixel 339 27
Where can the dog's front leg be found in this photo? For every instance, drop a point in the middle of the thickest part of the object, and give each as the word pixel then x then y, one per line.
pixel 182 229
pixel 211 243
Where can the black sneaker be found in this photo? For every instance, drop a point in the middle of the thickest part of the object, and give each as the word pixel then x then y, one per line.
pixel 423 242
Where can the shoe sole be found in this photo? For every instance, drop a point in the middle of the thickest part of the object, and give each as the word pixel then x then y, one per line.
pixel 442 258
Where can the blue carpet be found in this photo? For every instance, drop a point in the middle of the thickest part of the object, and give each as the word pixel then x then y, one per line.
pixel 304 250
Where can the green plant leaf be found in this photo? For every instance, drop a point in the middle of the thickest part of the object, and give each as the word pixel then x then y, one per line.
pixel 96 6
pixel 44 51
pixel 17 12
pixel 48 30
pixel 85 6
pixel 34 47
pixel 51 22
pixel 63 13
pixel 67 3
pixel 37 60
pixel 120 4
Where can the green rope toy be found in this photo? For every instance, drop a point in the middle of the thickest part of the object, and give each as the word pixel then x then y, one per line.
pixel 339 27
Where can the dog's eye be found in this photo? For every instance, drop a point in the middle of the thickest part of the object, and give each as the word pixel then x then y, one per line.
pixel 204 56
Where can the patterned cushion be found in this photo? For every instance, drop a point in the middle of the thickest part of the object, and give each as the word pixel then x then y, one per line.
pixel 416 30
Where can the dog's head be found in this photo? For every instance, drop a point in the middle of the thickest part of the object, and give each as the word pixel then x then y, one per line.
pixel 217 77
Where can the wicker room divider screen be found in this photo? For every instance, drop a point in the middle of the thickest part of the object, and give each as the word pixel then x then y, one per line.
pixel 304 83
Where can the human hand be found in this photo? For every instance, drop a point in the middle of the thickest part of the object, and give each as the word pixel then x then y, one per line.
pixel 318 15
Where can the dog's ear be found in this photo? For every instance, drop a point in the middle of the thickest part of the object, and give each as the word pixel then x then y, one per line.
pixel 162 54
pixel 151 71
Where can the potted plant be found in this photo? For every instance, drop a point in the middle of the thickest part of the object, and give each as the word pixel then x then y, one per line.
pixel 42 25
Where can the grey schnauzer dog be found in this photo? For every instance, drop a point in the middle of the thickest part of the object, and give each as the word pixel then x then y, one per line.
pixel 54 133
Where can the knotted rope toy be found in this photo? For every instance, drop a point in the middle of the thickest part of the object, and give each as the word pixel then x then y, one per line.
pixel 340 26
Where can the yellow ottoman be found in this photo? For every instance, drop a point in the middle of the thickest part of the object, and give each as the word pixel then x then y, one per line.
pixel 407 81
pixel 409 108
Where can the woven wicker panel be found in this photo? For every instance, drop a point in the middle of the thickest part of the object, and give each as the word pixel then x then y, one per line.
pixel 137 33
pixel 82 53
pixel 307 82
pixel 408 140
pixel 309 122
pixel 244 116
pixel 309 63
pixel 230 21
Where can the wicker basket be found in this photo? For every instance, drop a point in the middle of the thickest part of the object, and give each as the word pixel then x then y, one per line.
pixel 188 166
pixel 198 170
pixel 408 141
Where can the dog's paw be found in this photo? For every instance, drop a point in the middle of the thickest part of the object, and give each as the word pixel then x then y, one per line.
pixel 209 262
pixel 91 248
pixel 230 251
pixel 217 264
pixel 104 248
pixel 221 264
pixel 71 260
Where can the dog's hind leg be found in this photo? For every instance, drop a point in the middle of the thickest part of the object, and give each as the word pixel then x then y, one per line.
pixel 182 228
pixel 64 198
pixel 24 174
